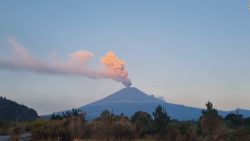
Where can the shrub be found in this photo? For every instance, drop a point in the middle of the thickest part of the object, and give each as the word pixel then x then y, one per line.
pixel 53 129
pixel 123 131
pixel 182 131
pixel 115 131
pixel 234 120
pixel 143 123
pixel 75 125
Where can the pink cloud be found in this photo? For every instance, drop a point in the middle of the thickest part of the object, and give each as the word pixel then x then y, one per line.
pixel 20 59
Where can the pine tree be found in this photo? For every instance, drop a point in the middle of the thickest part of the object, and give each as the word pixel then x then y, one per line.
pixel 161 120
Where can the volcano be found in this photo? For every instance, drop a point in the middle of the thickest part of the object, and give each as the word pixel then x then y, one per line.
pixel 129 100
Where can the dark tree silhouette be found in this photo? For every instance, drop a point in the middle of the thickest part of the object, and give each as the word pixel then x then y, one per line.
pixel 143 122
pixel 210 122
pixel 161 120
pixel 56 117
pixel 107 117
pixel 210 111
pixel 12 111
pixel 234 119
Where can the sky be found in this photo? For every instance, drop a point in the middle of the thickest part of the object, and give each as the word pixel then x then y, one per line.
pixel 188 52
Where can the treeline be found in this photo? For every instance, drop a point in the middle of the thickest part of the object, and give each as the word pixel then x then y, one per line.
pixel 12 111
pixel 110 127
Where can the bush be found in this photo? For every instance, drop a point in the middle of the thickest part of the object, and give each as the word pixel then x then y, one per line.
pixel 53 129
pixel 234 120
pixel 182 131
pixel 123 131
pixel 98 130
pixel 143 123
pixel 75 125
pixel 119 130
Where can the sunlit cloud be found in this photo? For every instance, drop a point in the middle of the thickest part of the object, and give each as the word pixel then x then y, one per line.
pixel 20 59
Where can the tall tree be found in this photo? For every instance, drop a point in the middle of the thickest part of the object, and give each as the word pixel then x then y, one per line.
pixel 143 122
pixel 210 121
pixel 161 120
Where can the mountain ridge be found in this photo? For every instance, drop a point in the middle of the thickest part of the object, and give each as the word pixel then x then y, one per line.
pixel 129 100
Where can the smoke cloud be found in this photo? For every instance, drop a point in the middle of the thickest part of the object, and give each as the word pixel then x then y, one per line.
pixel 20 59
pixel 116 68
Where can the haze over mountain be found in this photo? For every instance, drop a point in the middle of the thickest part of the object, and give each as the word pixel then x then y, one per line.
pixel 129 100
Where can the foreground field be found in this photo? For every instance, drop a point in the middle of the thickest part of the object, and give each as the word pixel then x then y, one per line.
pixel 140 127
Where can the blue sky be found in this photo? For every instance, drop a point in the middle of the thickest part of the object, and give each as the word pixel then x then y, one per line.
pixel 188 52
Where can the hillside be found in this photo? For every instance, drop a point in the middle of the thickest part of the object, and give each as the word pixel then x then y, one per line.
pixel 12 111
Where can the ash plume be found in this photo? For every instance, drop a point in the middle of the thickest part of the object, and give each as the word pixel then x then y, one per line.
pixel 116 68
pixel 20 59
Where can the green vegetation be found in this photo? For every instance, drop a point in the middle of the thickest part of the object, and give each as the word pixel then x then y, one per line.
pixel 72 126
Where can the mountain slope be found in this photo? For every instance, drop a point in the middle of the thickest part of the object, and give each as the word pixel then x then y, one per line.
pixel 12 111
pixel 129 95
pixel 130 100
